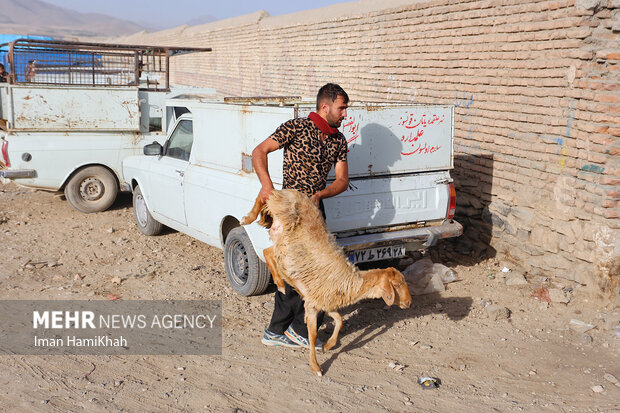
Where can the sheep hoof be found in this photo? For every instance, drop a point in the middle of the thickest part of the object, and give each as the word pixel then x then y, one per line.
pixel 319 373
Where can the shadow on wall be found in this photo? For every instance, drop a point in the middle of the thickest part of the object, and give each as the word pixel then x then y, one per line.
pixel 375 151
pixel 383 149
pixel 473 179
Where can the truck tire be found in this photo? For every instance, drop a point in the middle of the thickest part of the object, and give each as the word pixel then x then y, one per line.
pixel 144 220
pixel 92 189
pixel 247 274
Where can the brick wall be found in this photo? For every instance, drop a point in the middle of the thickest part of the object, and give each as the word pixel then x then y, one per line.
pixel 536 89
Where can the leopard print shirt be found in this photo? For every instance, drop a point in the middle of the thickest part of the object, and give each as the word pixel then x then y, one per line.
pixel 307 160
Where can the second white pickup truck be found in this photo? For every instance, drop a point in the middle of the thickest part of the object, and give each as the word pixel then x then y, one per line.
pixel 201 181
pixel 68 122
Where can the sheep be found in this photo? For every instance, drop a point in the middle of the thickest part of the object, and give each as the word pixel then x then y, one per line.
pixel 306 256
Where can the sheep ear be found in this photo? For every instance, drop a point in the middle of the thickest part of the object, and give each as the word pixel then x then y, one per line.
pixel 387 291
pixel 296 211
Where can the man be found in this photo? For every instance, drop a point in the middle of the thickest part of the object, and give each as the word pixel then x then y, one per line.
pixel 4 75
pixel 311 146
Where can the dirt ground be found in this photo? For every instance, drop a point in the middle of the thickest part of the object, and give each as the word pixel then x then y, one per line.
pixel 531 361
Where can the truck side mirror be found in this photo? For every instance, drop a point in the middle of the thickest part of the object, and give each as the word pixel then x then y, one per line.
pixel 153 149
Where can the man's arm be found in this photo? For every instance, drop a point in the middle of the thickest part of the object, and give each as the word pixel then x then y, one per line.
pixel 339 185
pixel 259 162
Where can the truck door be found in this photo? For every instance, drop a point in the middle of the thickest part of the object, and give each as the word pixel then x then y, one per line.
pixel 168 173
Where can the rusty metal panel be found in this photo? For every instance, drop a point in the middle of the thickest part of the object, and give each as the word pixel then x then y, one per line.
pixel 263 100
pixel 38 108
pixel 397 138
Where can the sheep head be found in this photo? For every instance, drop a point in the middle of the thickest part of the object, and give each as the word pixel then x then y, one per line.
pixel 392 287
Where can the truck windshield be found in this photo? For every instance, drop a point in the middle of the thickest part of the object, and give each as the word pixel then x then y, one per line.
pixel 180 143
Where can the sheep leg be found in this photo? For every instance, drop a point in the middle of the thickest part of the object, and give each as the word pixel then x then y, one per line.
pixel 253 214
pixel 311 314
pixel 338 325
pixel 273 269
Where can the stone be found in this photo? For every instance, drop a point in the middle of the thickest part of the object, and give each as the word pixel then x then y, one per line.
pixel 580 273
pixel 579 326
pixel 494 219
pixel 598 389
pixel 500 207
pixel 612 379
pixel 395 366
pixel 558 296
pixel 498 312
pixel 515 278
pixel 524 214
pixel 587 4
pixel 405 262
pixel 523 235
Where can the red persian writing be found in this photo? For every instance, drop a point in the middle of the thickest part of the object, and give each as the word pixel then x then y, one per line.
pixel 412 146
pixel 410 122
pixel 351 128
pixel 422 148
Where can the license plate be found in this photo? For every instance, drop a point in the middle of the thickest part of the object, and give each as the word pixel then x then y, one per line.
pixel 378 253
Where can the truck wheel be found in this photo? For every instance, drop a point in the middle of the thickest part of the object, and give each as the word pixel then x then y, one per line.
pixel 146 223
pixel 92 189
pixel 247 274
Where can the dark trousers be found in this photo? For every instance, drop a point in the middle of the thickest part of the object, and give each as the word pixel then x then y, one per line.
pixel 289 309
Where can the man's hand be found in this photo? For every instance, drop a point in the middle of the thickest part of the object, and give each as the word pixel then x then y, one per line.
pixel 317 198
pixel 259 161
pixel 339 185
pixel 265 192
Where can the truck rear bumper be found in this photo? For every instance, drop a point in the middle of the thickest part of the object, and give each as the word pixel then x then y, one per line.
pixel 17 173
pixel 425 237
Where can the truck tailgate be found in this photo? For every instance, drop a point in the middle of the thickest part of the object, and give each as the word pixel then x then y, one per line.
pixel 389 201
pixel 54 109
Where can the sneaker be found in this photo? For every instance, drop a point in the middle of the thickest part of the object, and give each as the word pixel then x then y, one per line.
pixel 300 340
pixel 272 339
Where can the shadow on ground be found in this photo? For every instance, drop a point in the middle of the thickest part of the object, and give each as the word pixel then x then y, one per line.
pixel 373 318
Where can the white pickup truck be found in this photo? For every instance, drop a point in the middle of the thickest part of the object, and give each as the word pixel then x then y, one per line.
pixel 71 112
pixel 201 181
